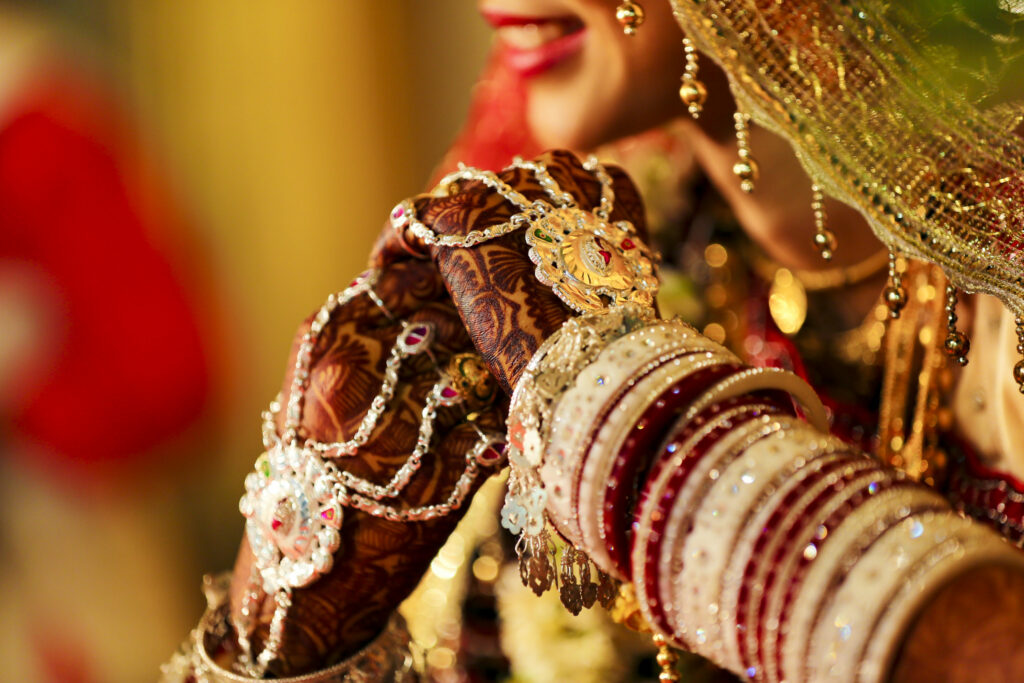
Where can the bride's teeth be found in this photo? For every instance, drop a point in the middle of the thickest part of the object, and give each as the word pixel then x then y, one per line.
pixel 530 36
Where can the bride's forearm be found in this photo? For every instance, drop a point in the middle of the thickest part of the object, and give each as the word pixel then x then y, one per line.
pixel 972 630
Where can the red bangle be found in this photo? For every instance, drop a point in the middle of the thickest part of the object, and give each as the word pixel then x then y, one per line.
pixel 684 464
pixel 636 455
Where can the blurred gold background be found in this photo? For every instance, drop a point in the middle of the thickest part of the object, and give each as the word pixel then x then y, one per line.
pixel 286 131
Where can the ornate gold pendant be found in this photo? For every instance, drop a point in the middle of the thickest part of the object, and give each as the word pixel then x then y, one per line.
pixel 590 264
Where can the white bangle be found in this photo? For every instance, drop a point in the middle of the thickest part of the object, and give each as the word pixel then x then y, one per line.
pixel 674 559
pixel 716 520
pixel 600 457
pixel 754 379
pixel 845 546
pixel 804 446
pixel 620 365
pixel 842 632
pixel 979 546
pixel 669 477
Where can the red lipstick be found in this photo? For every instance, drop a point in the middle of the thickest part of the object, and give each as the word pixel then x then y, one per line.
pixel 532 45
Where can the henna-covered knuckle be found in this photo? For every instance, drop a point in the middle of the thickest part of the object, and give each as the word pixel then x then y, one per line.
pixel 503 305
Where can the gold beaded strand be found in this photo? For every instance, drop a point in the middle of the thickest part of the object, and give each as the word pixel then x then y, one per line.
pixel 895 293
pixel 824 239
pixel 692 92
pixel 745 168
pixel 957 344
pixel 666 660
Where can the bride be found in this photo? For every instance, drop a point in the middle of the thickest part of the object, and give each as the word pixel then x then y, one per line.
pixel 663 461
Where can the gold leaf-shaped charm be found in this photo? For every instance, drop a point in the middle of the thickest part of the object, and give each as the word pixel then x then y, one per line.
pixel 591 264
pixel 588 589
pixel 569 589
pixel 607 590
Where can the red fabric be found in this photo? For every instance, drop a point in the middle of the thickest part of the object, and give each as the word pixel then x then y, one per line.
pixel 131 372
pixel 496 129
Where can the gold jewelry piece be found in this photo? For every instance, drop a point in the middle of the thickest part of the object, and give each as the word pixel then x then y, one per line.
pixel 590 264
pixel 957 344
pixel 827 278
pixel 666 660
pixel 630 15
pixel 895 294
pixel 745 168
pixel 823 237
pixel 692 92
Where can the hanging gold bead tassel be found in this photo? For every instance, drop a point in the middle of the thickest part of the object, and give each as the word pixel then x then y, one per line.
pixel 1018 369
pixel 895 292
pixel 630 15
pixel 666 660
pixel 745 167
pixel 692 92
pixel 957 344
pixel 823 237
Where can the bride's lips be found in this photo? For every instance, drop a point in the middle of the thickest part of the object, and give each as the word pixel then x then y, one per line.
pixel 533 45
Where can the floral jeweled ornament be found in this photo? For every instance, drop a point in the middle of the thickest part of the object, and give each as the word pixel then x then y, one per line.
pixel 591 264
pixel 292 517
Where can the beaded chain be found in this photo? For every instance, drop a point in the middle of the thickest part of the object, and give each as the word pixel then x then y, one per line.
pixel 404 216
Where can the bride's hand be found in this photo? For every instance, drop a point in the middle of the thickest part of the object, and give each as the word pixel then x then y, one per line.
pixel 379 562
pixel 507 311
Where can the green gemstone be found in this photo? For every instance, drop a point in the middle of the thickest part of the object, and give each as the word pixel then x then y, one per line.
pixel 263 465
pixel 540 234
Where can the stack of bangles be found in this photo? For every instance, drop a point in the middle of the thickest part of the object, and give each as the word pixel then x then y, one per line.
pixel 750 536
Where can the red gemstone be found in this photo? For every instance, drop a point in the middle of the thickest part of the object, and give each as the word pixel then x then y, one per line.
pixel 276 524
pixel 448 392
pixel 398 212
pixel 413 339
pixel 627 244
pixel 327 514
pixel 606 255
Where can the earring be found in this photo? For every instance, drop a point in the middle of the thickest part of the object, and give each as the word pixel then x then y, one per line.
pixel 692 92
pixel 745 168
pixel 630 15
pixel 823 237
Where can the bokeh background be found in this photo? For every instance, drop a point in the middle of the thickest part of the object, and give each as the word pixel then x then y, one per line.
pixel 256 147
